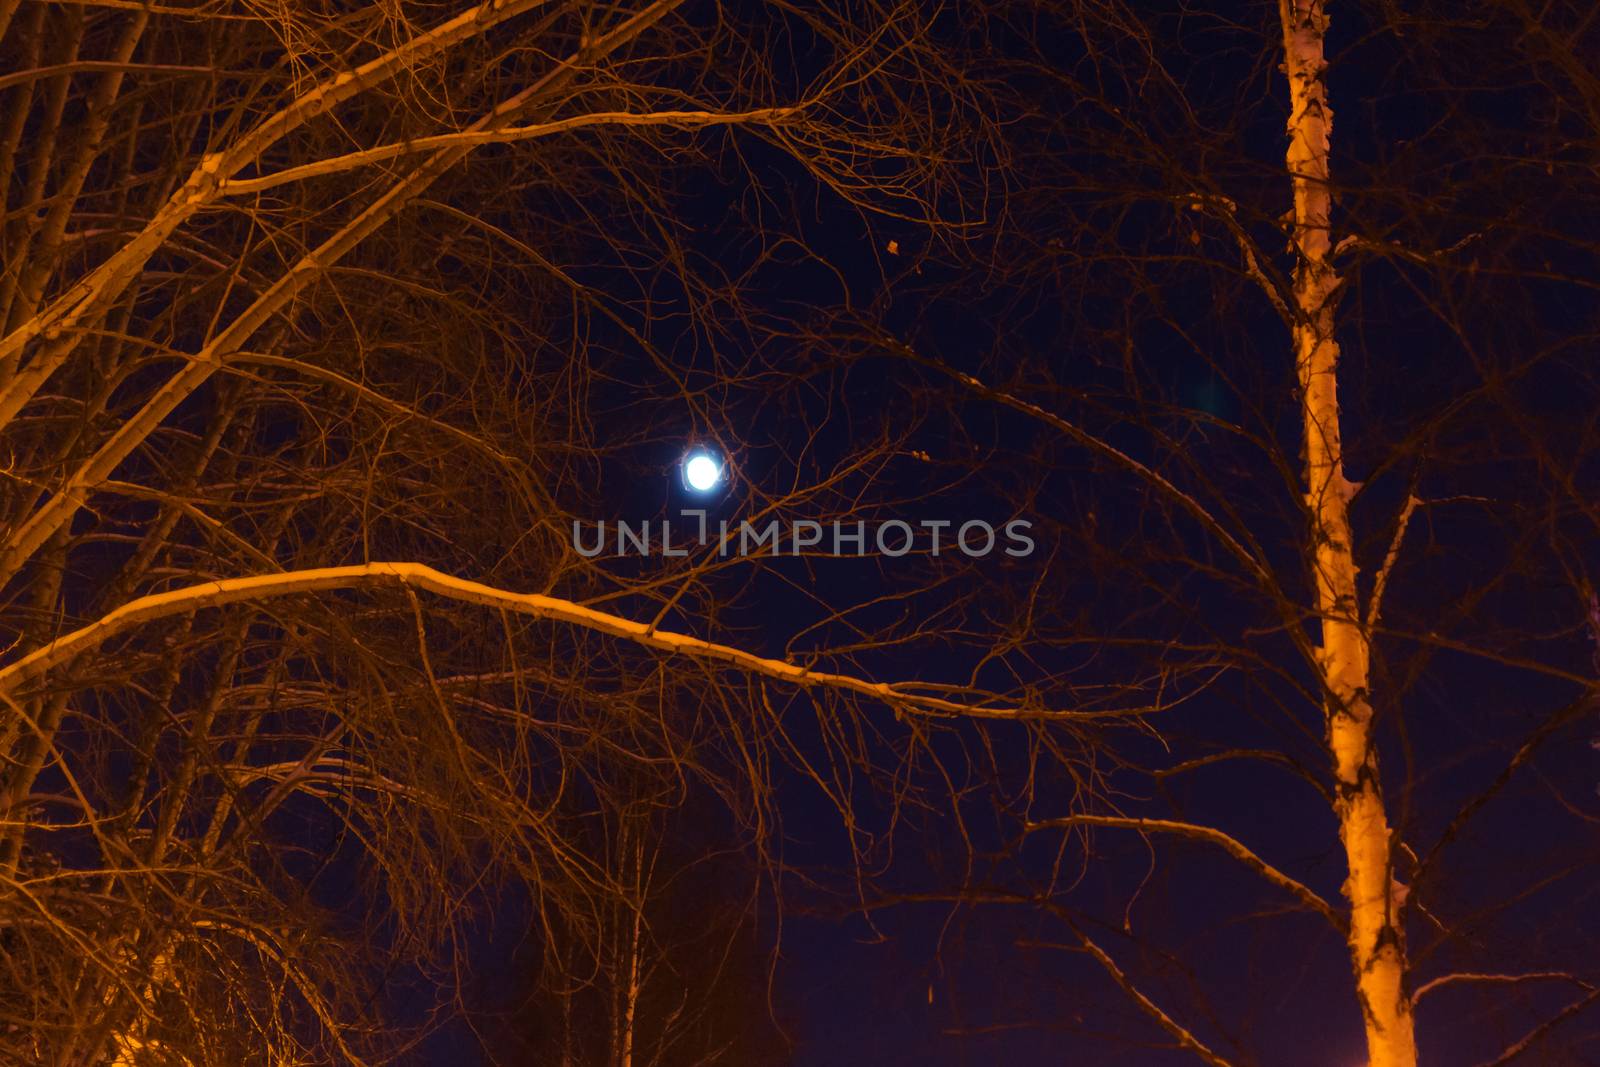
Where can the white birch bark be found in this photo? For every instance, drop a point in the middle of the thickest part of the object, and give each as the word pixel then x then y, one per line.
pixel 1376 941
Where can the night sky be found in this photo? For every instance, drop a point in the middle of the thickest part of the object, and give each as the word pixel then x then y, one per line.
pixel 1046 307
pixel 1045 303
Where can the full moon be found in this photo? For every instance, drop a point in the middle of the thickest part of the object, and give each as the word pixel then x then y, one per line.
pixel 702 472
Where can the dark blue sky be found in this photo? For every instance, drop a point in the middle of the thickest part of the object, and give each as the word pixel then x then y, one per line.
pixel 1093 296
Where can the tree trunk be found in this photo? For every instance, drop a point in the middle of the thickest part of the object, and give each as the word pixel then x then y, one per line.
pixel 1377 946
pixel 630 1007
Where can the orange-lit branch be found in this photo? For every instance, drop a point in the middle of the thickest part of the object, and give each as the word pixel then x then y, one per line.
pixel 111 278
pixel 475 138
pixel 419 576
pixel 74 491
pixel 1498 979
pixel 1228 844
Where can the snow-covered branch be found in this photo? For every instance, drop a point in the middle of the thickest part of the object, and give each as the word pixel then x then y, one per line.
pixel 417 576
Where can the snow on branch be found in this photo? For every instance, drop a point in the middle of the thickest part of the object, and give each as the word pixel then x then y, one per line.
pixel 417 576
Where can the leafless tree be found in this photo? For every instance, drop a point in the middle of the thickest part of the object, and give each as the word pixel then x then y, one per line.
pixel 322 323
pixel 1310 423
pixel 313 318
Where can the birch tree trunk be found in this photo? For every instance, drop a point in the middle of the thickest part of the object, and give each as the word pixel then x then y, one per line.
pixel 630 999
pixel 1377 945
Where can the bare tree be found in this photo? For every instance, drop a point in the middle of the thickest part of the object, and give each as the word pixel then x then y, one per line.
pixel 1182 310
pixel 672 971
pixel 311 314
pixel 323 323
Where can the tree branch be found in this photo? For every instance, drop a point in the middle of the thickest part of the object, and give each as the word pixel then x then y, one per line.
pixel 59 509
pixel 1200 833
pixel 419 576
pixel 1184 1038
pixel 1252 560
pixel 473 139
pixel 1465 976
pixel 111 278
pixel 1382 581
pixel 1537 1033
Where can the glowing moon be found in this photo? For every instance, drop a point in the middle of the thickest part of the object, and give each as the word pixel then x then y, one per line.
pixel 702 472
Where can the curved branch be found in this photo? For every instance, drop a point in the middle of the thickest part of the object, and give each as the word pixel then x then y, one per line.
pixel 1382 581
pixel 1264 755
pixel 1537 1033
pixel 476 138
pixel 71 495
pixel 1451 979
pixel 420 576
pixel 82 65
pixel 1547 730
pixel 1253 560
pixel 1202 833
pixel 1179 1033
pixel 105 282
